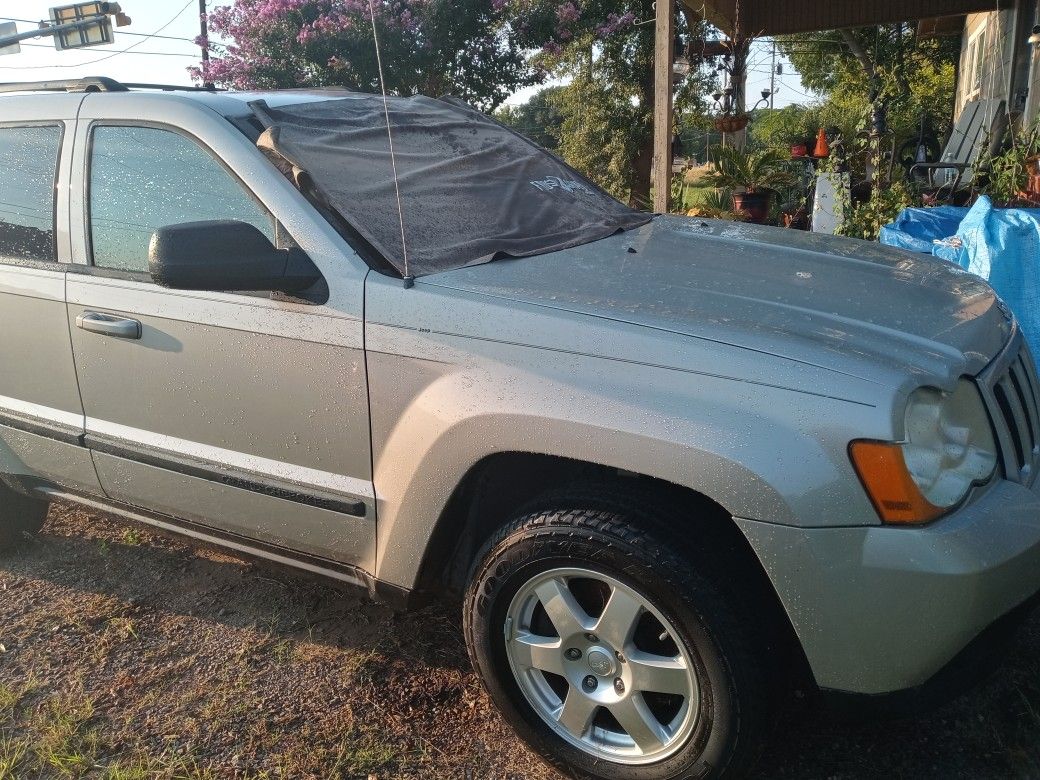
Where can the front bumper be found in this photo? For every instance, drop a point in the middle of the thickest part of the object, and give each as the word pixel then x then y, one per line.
pixel 882 609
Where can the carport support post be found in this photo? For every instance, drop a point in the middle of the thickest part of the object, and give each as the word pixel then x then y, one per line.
pixel 664 42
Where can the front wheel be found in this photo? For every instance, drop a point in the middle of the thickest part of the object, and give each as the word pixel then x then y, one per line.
pixel 20 518
pixel 611 653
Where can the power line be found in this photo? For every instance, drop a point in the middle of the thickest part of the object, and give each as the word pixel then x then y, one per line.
pixel 107 56
pixel 121 32
pixel 151 53
pixel 798 91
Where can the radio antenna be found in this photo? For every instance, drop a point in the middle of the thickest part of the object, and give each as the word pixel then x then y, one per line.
pixel 409 280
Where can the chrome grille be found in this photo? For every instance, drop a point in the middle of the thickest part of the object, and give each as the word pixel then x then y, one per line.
pixel 1009 386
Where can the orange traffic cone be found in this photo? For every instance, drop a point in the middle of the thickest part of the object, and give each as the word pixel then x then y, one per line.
pixel 822 148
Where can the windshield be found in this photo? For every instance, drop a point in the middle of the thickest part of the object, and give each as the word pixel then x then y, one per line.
pixel 470 188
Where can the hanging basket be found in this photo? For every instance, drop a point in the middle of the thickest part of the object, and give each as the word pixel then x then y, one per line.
pixel 731 123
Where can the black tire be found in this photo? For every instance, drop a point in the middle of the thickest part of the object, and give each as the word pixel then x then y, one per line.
pixel 21 518
pixel 629 541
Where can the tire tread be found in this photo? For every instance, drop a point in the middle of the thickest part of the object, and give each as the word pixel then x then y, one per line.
pixel 637 529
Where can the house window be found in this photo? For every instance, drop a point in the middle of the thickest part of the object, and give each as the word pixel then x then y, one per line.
pixel 974 63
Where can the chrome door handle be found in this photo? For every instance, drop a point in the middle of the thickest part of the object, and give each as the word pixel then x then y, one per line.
pixel 109 325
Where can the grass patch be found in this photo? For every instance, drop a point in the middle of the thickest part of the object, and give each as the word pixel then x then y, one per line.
pixel 11 697
pixel 63 738
pixel 156 768
pixel 132 537
pixel 357 754
pixel 13 754
pixel 283 651
pixel 65 743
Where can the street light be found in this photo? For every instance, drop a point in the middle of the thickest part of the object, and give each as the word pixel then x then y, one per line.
pixel 71 26
pixel 93 20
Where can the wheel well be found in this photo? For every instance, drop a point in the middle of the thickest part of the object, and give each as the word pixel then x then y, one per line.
pixel 496 488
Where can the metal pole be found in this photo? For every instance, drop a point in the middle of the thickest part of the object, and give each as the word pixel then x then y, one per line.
pixel 51 30
pixel 738 80
pixel 772 77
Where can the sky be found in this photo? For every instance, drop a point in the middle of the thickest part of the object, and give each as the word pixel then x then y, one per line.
pixel 163 58
pixel 788 85
pixel 157 60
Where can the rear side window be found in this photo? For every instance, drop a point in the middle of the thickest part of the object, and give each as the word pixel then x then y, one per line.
pixel 28 166
pixel 144 178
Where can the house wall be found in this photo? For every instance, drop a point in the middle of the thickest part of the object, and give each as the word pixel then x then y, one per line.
pixel 997 62
pixel 1033 99
pixel 987 57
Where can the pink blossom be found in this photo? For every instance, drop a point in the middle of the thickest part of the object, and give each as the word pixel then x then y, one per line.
pixel 615 23
pixel 567 13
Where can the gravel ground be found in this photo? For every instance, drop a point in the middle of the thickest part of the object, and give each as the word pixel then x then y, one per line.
pixel 127 655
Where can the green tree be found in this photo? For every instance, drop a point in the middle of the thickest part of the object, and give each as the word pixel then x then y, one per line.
pixel 913 77
pixel 783 126
pixel 539 118
pixel 604 53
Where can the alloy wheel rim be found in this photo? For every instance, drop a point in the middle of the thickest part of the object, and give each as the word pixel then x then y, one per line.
pixel 603 667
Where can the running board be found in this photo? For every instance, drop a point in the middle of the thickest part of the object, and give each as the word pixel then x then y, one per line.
pixel 378 590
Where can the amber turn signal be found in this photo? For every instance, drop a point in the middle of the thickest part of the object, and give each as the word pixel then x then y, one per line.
pixel 884 474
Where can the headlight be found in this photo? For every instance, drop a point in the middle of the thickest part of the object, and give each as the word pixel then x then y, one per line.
pixel 949 448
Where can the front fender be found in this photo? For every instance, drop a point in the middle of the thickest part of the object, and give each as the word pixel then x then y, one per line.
pixel 443 402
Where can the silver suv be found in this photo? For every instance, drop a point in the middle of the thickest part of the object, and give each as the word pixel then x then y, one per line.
pixel 672 464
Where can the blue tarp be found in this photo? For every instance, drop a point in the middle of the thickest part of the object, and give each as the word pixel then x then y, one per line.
pixel 915 229
pixel 1000 245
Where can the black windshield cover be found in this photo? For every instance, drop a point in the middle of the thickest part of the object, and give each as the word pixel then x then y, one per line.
pixel 471 189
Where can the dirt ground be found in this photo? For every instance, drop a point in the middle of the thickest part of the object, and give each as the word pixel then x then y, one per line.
pixel 125 655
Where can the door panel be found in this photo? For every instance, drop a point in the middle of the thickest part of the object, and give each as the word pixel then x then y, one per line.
pixel 201 390
pixel 202 383
pixel 242 412
pixel 37 377
pixel 41 417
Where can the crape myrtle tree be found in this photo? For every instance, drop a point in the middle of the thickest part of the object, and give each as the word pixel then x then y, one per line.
pixel 463 47
pixel 479 50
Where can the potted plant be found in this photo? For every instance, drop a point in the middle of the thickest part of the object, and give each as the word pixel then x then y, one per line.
pixel 1033 186
pixel 1012 177
pixel 799 147
pixel 731 123
pixel 802 140
pixel 754 178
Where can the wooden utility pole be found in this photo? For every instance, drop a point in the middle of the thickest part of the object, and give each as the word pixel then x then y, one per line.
pixel 204 30
pixel 664 53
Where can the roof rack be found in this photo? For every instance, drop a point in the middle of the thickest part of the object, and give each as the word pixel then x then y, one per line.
pixel 93 84
pixel 172 87
pixel 89 84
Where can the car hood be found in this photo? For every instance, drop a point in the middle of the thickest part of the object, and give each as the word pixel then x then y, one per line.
pixel 833 303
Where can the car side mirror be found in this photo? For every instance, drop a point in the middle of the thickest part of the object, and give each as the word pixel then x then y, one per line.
pixel 226 256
